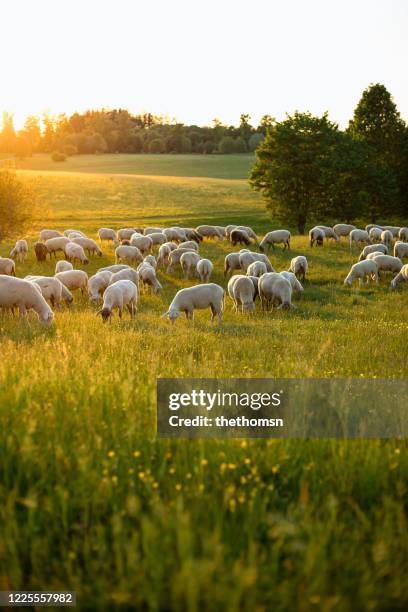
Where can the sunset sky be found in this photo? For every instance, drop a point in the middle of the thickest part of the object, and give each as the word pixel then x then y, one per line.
pixel 197 60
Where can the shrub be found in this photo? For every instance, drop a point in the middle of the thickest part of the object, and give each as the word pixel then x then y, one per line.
pixel 227 145
pixel 157 146
pixel 20 208
pixel 57 156
pixel 240 145
pixel 70 149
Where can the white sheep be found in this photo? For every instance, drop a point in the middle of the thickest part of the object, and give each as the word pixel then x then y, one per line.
pixel 363 269
pixel 249 231
pixel 20 250
pixel 7 266
pixel 24 295
pixel 402 276
pixel 393 229
pixel 175 234
pixel 294 282
pixel 316 235
pixel 128 254
pixel 108 234
pixel 275 291
pixel 98 283
pixel 372 248
pixel 147 275
pixel 157 238
pixel 143 243
pixel 191 233
pixel 88 245
pixel 299 266
pixel 121 294
pixel 387 263
pixel 114 268
pixel 152 230
pixel 67 232
pixel 55 245
pixel 246 258
pixel 175 256
pixel 375 234
pixel 401 249
pixel 125 274
pixel 197 297
pixel 74 252
pixel 150 259
pixel 204 270
pixel 209 231
pixel 52 289
pixel 242 292
pixel 74 279
pixel 163 255
pixel 386 238
pixel 256 268
pixel 189 244
pixel 358 235
pixel 62 266
pixel 275 237
pixel 188 262
pixel 231 262
pixel 371 225
pixel 125 233
pixel 329 232
pixel 343 229
pixel 403 234
pixel 73 235
pixel 46 234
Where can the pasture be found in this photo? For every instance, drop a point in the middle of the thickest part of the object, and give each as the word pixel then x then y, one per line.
pixel 91 501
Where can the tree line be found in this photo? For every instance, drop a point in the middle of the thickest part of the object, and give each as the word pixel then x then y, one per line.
pixel 310 171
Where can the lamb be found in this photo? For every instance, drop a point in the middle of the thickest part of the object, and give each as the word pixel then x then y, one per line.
pixel 126 233
pixel 125 274
pixel 403 234
pixel 275 237
pixel 358 235
pixel 375 234
pixel 299 266
pixel 98 283
pixel 175 256
pixel 387 263
pixel 74 279
pixel 316 235
pixel 401 277
pixel 63 266
pixel 40 251
pixel 363 269
pixel 88 245
pixel 128 254
pixel 22 294
pixel 256 268
pixel 189 244
pixel 20 250
pixel 231 262
pixel 294 283
pixel 188 262
pixel 245 259
pixel 118 295
pixel 175 234
pixel 372 248
pixel 187 300
pixel 143 243
pixel 52 290
pixel 163 255
pixel 329 232
pixel 204 270
pixel 242 291
pixel 147 275
pixel 7 266
pixel 46 234
pixel 209 231
pixel 274 291
pixel 55 245
pixel 386 238
pixel 401 249
pixel 108 234
pixel 239 236
pixel 157 238
pixel 75 252
pixel 343 229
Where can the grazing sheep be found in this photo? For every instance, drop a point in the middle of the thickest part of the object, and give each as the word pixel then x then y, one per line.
pixel 375 234
pixel 276 237
pixel 163 255
pixel 402 276
pixel 74 279
pixel 125 233
pixel 20 250
pixel 387 263
pixel 74 231
pixel 7 266
pixel 358 235
pixel 256 268
pixel 386 238
pixel 125 274
pixel 248 230
pixel 121 294
pixel 46 234
pixel 73 235
pixel 98 283
pixel 175 234
pixel 63 266
pixel 401 249
pixel 299 266
pixel 294 283
pixel 316 235
pixel 393 229
pixel 374 254
pixel 55 245
pixel 238 236
pixel 128 254
pixel 108 234
pixel 231 262
pixel 52 290
pixel 175 256
pixel 143 243
pixel 363 269
pixel 228 230
pixel 150 259
pixel 275 291
pixel 157 238
pixel 329 232
pixel 209 231
pixel 148 231
pixel 403 234
pixel 343 229
pixel 372 248
pixel 188 262
pixel 147 275
pixel 24 295
pixel 114 268
pixel 189 244
pixel 125 242
pixel 242 291
pixel 197 297
pixel 88 245
pixel 371 225
pixel 246 258
pixel 74 252
pixel 204 270
pixel 191 234
pixel 40 251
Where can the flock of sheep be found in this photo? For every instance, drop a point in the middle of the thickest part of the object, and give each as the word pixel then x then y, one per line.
pixel 119 286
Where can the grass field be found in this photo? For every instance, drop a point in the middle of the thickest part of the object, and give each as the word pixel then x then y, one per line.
pixel 91 501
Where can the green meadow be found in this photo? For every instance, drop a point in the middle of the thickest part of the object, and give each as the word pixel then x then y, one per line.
pixel 92 501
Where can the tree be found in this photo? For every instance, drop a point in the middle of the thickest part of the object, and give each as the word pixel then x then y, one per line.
pixel 240 145
pixel 33 132
pixel 255 141
pixel 8 135
pixel 227 145
pixel 20 208
pixel 266 122
pixel 294 168
pixel 157 146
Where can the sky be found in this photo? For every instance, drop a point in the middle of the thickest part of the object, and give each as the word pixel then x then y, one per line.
pixel 197 60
